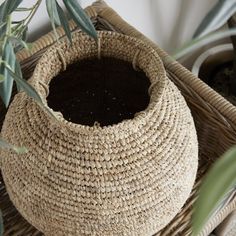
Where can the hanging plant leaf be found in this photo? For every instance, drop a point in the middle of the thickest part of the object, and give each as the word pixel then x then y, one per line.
pixel 3 28
pixel 29 90
pixel 6 145
pixel 80 18
pixel 64 22
pixel 53 15
pixel 19 74
pixel 18 42
pixel 25 33
pixel 1 78
pixel 215 186
pixel 8 7
pixel 216 18
pixel 197 43
pixel 6 86
pixel 52 11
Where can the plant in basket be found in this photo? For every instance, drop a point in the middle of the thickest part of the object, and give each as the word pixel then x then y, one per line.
pixel 111 143
pixel 216 65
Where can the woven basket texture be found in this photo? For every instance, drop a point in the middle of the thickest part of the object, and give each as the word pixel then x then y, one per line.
pixel 214 117
pixel 228 226
pixel 130 178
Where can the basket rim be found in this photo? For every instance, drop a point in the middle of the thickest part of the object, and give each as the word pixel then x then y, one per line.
pixel 157 87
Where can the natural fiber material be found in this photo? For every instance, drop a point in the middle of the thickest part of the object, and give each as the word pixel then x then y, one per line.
pixel 228 226
pixel 130 178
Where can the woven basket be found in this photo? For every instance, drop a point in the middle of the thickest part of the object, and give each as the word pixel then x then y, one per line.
pixel 130 178
pixel 228 226
pixel 214 117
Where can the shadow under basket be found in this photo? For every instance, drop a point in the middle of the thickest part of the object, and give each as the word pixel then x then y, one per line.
pixel 107 93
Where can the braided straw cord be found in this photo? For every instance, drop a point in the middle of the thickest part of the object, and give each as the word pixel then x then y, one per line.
pixel 131 178
pixel 213 119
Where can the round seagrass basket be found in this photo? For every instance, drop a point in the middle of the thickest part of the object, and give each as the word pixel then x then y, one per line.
pixel 89 172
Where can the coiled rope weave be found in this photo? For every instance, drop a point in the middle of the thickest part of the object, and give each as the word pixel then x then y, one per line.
pixel 130 178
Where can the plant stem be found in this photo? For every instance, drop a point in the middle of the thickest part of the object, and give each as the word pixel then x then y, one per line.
pixel 232 24
pixel 19 29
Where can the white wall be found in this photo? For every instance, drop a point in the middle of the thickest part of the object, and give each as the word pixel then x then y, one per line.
pixel 169 23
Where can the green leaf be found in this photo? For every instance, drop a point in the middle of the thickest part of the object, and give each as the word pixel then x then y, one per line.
pixel 6 145
pixel 52 11
pixel 216 18
pixel 19 74
pixel 25 33
pixel 1 78
pixel 53 15
pixel 3 28
pixel 8 7
pixel 17 41
pixel 79 16
pixel 6 86
pixel 202 41
pixel 1 224
pixel 64 22
pixel 24 9
pixel 29 90
pixel 218 182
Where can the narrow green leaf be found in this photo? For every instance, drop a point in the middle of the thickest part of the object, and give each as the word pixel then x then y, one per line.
pixel 17 41
pixel 1 11
pixel 216 184
pixel 6 86
pixel 23 9
pixel 1 224
pixel 64 22
pixel 216 18
pixel 19 74
pixel 6 145
pixel 52 11
pixel 53 15
pixel 201 41
pixel 1 78
pixel 3 28
pixel 29 90
pixel 79 16
pixel 25 33
pixel 8 7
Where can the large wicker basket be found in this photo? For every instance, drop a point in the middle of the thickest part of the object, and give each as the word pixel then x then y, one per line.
pixel 215 119
pixel 130 177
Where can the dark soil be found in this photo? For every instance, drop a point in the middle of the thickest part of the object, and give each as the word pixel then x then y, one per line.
pixel 106 91
pixel 219 80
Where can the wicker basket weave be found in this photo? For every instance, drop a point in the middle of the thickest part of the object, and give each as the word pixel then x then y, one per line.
pixel 214 117
pixel 129 178
pixel 228 226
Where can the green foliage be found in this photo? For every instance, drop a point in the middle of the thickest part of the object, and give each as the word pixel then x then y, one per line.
pixel 9 58
pixel 7 8
pixel 199 42
pixel 64 22
pixel 6 145
pixel 218 182
pixel 13 35
pixel 80 18
pixel 217 17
